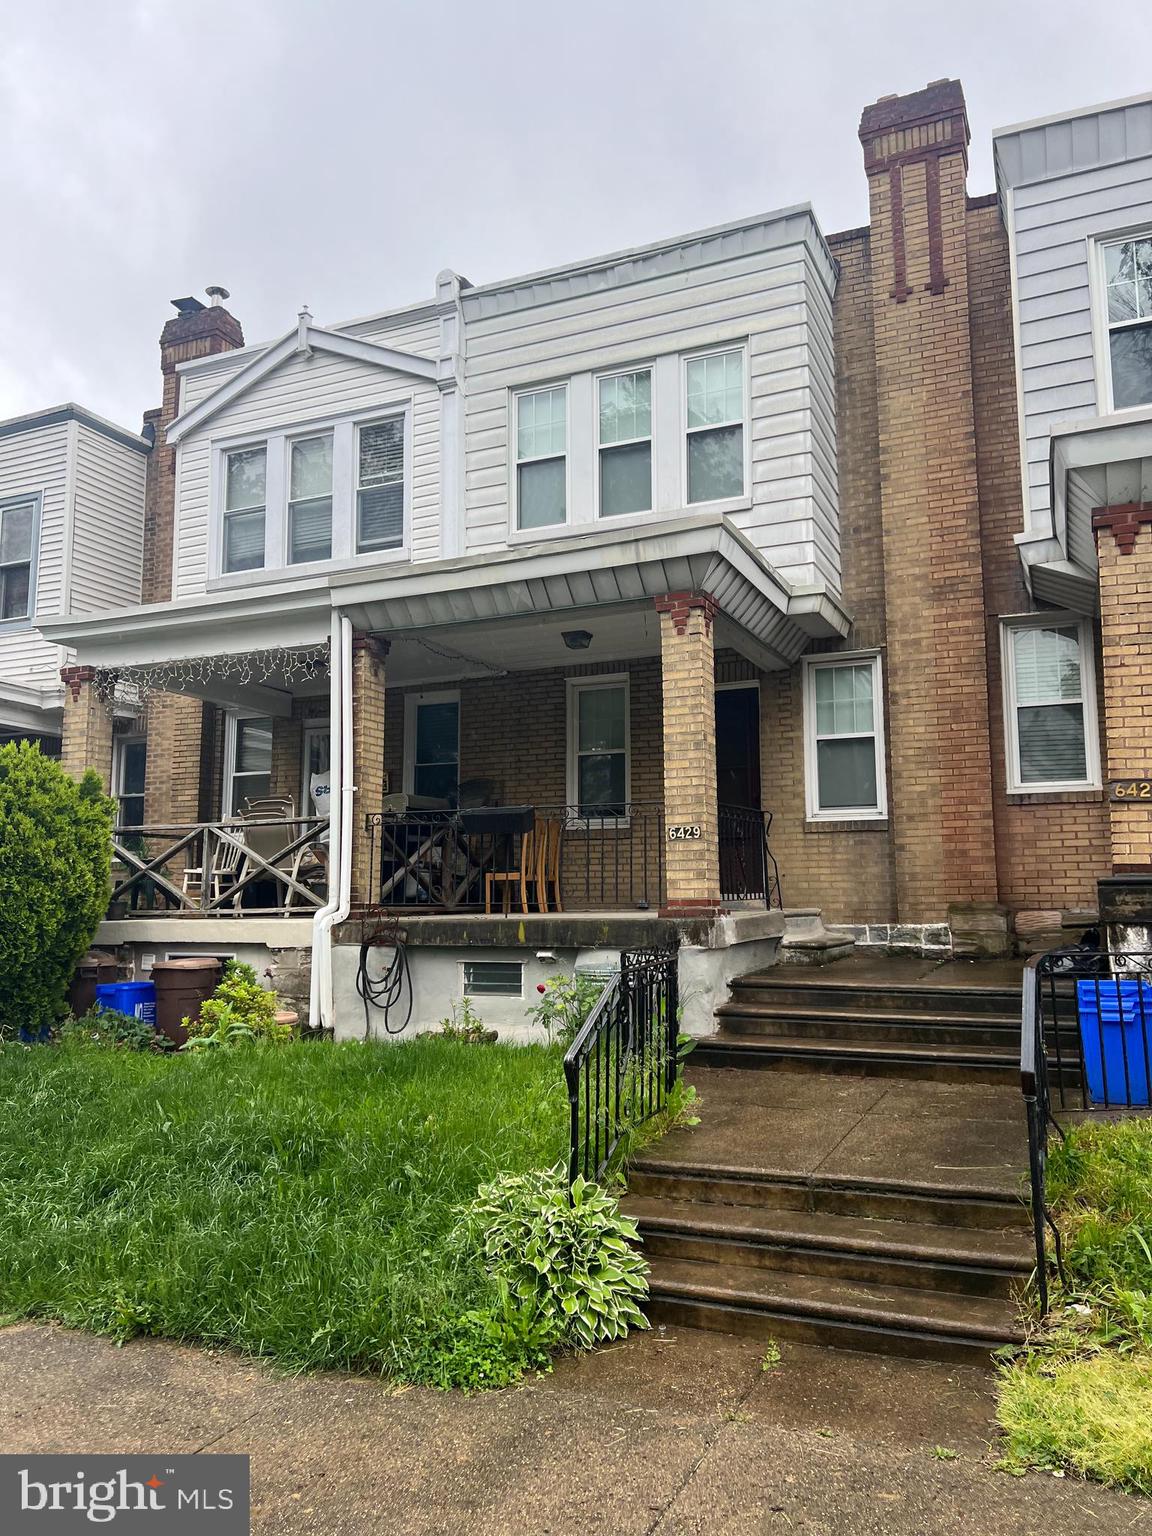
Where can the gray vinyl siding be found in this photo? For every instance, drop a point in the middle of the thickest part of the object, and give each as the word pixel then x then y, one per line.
pixel 35 463
pixel 1071 182
pixel 750 287
pixel 108 524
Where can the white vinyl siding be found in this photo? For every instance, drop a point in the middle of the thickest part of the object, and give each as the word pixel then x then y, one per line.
pixel 36 463
pixel 1050 706
pixel 766 289
pixel 108 523
pixel 844 739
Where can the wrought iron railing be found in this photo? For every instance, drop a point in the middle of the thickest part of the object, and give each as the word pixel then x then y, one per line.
pixel 621 1067
pixel 1085 1049
pixel 266 866
pixel 748 871
pixel 517 859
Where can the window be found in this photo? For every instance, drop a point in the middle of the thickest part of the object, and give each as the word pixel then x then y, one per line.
pixel 316 797
pixel 244 508
pixel 541 458
pixel 310 500
pixel 250 777
pixel 17 533
pixel 599 770
pixel 380 485
pixel 1050 706
pixel 128 777
pixel 432 745
pixel 714 391
pixel 844 746
pixel 1128 292
pixel 493 978
pixel 625 411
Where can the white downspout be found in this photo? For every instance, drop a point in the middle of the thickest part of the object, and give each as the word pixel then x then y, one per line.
pixel 321 1009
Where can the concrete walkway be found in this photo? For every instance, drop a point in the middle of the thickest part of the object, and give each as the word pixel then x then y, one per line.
pixel 676 1434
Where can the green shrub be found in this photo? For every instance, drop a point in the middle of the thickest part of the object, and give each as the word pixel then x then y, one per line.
pixel 55 858
pixel 564 1006
pixel 110 1029
pixel 239 1012
pixel 570 1263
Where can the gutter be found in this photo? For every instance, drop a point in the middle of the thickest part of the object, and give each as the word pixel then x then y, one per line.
pixel 321 1004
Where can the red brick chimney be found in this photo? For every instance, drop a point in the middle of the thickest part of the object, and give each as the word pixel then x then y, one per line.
pixel 197 330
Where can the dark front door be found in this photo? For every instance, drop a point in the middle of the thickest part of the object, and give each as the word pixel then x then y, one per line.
pixel 738 746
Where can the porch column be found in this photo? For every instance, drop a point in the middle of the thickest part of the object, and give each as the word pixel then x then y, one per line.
pixel 367 766
pixel 689 690
pixel 1124 545
pixel 87 732
pixel 173 771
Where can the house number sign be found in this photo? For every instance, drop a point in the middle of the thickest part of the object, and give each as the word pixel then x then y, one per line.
pixel 1131 789
pixel 684 832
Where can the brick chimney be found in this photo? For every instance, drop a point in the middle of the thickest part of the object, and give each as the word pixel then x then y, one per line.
pixel 916 157
pixel 196 330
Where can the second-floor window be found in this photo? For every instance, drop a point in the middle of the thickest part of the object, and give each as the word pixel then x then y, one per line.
pixel 625 422
pixel 542 457
pixel 310 500
pixel 380 485
pixel 245 505
pixel 714 413
pixel 17 530
pixel 1128 291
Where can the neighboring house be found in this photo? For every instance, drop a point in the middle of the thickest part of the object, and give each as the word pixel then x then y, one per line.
pixel 643 553
pixel 71 534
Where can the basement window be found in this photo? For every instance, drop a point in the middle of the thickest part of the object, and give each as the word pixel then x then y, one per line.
pixel 493 978
pixel 1049 705
pixel 844 739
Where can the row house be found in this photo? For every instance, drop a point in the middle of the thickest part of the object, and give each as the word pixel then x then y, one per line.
pixel 751 588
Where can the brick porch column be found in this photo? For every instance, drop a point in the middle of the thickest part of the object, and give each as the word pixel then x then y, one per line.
pixel 87 733
pixel 689 690
pixel 1124 545
pixel 173 724
pixel 367 766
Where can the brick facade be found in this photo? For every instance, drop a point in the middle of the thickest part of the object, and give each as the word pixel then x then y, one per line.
pixel 1124 546
pixel 87 735
pixel 369 745
pixel 688 678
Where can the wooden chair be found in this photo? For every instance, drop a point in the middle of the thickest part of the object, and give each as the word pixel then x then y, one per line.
pixel 212 878
pixel 525 875
pixel 549 849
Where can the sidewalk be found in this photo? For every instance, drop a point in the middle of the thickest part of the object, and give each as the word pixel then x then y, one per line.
pixel 682 1434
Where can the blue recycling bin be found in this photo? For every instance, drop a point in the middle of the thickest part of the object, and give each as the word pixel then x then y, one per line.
pixel 1115 1029
pixel 135 998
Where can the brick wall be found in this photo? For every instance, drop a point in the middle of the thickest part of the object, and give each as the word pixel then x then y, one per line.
pixel 1124 544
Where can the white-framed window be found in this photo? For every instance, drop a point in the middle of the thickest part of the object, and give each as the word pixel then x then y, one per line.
pixel 493 978
pixel 245 508
pixel 1126 279
pixel 247 761
pixel 380 484
pixel 541 429
pixel 599 748
pixel 624 434
pixel 316 786
pixel 844 739
pixel 310 499
pixel 432 745
pixel 130 761
pixel 18 520
pixel 714 426
pixel 1050 703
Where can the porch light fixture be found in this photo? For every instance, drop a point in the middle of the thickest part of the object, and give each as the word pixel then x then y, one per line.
pixel 576 639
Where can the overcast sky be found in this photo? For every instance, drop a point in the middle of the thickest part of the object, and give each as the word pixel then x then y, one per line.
pixel 341 152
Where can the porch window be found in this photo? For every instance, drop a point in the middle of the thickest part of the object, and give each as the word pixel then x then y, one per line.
pixel 432 745
pixel 380 485
pixel 250 776
pixel 844 747
pixel 245 503
pixel 599 768
pixel 714 391
pixel 542 457
pixel 310 500
pixel 17 530
pixel 316 797
pixel 1050 706
pixel 626 443
pixel 128 778
pixel 1128 293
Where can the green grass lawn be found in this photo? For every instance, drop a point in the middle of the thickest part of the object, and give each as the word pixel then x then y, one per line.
pixel 289 1202
pixel 1082 1395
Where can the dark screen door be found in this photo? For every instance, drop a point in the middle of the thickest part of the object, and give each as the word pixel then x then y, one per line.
pixel 738 746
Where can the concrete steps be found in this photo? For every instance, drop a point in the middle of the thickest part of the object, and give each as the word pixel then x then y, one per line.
pixel 862 1054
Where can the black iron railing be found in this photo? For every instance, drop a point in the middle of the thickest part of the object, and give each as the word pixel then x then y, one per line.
pixel 621 1067
pixel 517 859
pixel 1085 1049
pixel 748 871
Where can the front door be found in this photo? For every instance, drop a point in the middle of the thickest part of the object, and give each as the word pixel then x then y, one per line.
pixel 738 746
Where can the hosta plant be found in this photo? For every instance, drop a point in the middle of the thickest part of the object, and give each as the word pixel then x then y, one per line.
pixel 570 1261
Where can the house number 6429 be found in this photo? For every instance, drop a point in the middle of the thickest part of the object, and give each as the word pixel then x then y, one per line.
pixel 685 833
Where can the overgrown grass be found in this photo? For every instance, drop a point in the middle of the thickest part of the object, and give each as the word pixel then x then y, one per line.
pixel 289 1202
pixel 1081 1397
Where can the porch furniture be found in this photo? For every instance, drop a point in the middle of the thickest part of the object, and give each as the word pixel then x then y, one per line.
pixel 506 823
pixel 218 870
pixel 523 876
pixel 549 848
pixel 270 807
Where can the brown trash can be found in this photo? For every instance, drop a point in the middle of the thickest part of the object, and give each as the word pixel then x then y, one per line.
pixel 95 969
pixel 181 986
